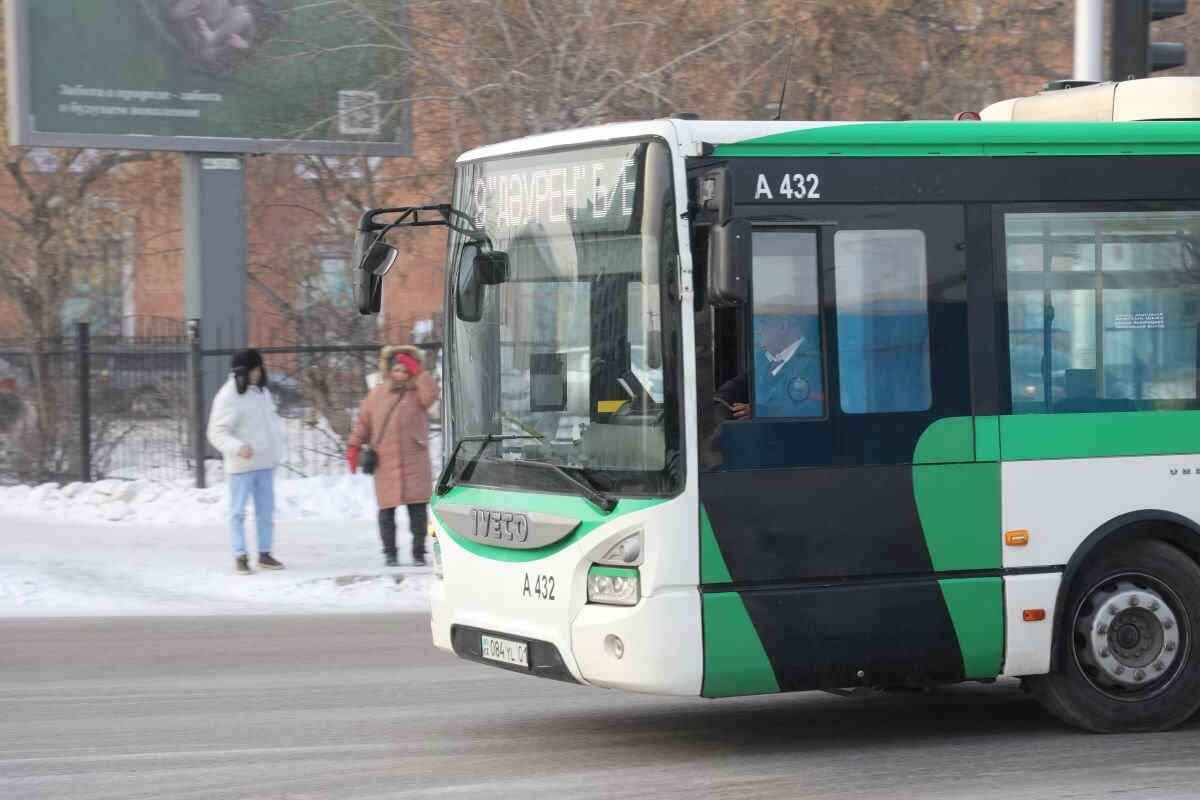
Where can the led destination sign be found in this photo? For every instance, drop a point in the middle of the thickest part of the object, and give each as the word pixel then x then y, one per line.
pixel 598 184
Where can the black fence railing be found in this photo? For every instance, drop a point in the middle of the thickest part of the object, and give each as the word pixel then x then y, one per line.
pixel 82 408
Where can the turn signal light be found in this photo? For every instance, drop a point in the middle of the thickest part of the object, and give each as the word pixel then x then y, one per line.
pixel 1034 614
pixel 1016 538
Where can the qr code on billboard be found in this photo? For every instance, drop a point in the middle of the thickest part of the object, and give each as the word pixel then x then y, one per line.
pixel 358 112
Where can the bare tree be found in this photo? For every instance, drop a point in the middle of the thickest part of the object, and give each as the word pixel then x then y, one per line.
pixel 516 67
pixel 57 217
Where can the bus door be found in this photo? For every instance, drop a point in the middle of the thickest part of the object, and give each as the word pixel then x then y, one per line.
pixel 823 387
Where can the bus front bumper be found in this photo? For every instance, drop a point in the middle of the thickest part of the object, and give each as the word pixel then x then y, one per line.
pixel 654 646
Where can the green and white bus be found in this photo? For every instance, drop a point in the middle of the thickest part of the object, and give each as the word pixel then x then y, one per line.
pixel 736 408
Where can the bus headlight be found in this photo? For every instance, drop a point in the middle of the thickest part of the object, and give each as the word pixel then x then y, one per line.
pixel 614 586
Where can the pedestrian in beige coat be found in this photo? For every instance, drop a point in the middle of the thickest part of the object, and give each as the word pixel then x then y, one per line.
pixel 393 421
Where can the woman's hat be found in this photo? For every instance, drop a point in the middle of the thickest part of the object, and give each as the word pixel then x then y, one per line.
pixel 408 361
pixel 243 362
pixel 247 359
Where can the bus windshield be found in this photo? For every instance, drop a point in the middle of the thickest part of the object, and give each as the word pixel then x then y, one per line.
pixel 567 349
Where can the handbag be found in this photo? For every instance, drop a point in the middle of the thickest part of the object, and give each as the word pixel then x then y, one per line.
pixel 369 461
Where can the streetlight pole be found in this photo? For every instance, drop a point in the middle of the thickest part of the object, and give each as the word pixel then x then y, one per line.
pixel 1089 40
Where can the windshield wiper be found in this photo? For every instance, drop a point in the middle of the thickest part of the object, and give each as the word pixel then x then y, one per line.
pixel 598 498
pixel 444 484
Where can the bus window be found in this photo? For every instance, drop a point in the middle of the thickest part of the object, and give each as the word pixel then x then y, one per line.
pixel 1103 309
pixel 786 367
pixel 644 332
pixel 882 321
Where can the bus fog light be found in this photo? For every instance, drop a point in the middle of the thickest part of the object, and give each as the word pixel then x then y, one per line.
pixel 616 586
pixel 625 553
pixel 614 646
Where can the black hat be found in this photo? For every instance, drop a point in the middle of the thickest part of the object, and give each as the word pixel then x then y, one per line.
pixel 243 362
pixel 247 359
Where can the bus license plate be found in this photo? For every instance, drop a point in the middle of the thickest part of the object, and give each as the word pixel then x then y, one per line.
pixel 505 650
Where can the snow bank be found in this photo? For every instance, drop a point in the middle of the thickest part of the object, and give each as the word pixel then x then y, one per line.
pixel 144 547
pixel 343 497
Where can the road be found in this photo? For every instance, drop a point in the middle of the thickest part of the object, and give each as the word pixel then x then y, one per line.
pixel 357 707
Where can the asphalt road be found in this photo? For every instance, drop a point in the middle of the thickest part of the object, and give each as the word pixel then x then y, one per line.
pixel 364 707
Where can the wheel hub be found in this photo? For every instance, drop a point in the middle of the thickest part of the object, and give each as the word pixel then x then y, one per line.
pixel 1128 637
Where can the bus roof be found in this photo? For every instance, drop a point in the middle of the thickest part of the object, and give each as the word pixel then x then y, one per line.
pixel 1155 116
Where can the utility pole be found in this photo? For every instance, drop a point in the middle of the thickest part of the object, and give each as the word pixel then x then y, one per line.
pixel 1089 40
pixel 214 262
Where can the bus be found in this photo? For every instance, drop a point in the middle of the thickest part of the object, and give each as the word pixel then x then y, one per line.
pixel 736 408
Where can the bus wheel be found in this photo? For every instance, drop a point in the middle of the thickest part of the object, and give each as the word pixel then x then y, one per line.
pixel 1126 656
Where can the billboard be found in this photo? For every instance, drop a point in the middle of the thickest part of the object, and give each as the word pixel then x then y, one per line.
pixel 235 76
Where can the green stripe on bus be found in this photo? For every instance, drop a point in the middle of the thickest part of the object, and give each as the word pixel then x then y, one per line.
pixel 1032 437
pixel 924 139
pixel 949 440
pixel 987 439
pixel 613 572
pixel 735 662
pixel 958 501
pixel 561 505
pixel 712 564
pixel 976 607
pixel 959 507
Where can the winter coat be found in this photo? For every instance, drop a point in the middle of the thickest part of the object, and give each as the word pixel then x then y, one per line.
pixel 404 474
pixel 246 419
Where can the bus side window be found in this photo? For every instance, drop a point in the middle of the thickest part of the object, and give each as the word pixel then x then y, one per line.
pixel 1103 310
pixel 786 363
pixel 882 321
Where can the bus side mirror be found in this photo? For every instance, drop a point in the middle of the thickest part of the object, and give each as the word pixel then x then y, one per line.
pixel 728 262
pixel 368 292
pixel 716 195
pixel 379 259
pixel 468 288
pixel 374 258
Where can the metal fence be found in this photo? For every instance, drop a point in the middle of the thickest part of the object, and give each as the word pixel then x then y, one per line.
pixel 82 408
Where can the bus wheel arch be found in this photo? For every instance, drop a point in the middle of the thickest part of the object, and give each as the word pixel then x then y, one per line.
pixel 1141 525
pixel 1141 565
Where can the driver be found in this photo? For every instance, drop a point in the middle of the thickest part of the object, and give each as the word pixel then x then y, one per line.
pixel 787 367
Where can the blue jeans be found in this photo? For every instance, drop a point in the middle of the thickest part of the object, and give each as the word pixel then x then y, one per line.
pixel 260 484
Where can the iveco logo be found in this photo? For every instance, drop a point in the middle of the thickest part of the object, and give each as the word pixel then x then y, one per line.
pixel 502 526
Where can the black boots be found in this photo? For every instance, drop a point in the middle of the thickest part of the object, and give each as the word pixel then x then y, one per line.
pixel 418 521
pixel 387 534
pixel 267 561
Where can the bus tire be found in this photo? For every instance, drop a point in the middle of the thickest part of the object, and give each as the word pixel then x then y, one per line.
pixel 1127 655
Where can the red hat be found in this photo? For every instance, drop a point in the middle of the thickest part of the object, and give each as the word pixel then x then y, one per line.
pixel 408 361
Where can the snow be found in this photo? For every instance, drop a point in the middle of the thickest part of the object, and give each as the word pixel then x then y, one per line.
pixel 136 547
pixel 342 497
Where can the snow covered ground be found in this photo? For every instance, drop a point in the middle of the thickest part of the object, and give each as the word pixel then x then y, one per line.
pixel 148 547
pixel 340 498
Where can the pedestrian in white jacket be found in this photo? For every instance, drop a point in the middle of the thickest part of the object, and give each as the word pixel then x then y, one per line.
pixel 245 427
